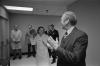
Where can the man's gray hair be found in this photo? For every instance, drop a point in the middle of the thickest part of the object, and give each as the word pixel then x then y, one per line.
pixel 70 13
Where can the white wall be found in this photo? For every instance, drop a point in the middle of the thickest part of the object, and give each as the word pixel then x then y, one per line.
pixel 88 15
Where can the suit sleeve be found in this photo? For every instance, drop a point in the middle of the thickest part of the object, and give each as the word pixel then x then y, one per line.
pixel 77 51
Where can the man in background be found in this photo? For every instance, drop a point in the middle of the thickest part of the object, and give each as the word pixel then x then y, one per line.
pixel 55 35
pixel 16 36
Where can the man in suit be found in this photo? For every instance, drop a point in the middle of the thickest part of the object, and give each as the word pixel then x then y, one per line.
pixel 72 50
pixel 54 34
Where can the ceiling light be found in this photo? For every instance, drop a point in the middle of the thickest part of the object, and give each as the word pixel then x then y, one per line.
pixel 18 8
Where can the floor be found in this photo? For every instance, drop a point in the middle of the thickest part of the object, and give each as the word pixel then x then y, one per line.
pixel 25 62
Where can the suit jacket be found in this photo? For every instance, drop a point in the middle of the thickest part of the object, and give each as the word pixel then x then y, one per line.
pixel 54 34
pixel 72 51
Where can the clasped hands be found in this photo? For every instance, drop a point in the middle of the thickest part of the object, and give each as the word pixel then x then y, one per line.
pixel 53 43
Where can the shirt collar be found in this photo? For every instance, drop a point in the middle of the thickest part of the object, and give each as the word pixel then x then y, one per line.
pixel 70 30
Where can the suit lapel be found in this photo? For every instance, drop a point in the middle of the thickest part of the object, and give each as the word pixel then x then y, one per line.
pixel 66 42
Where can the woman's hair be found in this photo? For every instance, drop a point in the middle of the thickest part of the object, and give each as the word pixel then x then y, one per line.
pixel 40 28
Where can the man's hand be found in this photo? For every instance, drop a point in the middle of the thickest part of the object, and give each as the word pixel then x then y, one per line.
pixel 53 43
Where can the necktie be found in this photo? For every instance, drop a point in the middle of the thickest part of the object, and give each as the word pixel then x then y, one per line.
pixel 66 34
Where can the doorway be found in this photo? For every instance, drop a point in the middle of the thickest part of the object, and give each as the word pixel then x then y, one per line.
pixel 4 38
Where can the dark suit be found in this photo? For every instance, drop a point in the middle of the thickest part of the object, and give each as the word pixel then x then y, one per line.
pixel 54 34
pixel 72 51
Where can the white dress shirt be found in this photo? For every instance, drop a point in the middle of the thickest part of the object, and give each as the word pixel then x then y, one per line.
pixel 69 31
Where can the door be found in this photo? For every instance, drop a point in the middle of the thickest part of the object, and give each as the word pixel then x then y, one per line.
pixel 0 41
pixel 4 41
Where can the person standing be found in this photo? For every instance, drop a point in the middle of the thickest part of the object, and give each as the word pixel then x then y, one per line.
pixel 42 55
pixel 16 36
pixel 32 36
pixel 29 38
pixel 48 32
pixel 55 35
pixel 72 50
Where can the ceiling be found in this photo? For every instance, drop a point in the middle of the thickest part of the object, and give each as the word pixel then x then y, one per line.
pixel 41 7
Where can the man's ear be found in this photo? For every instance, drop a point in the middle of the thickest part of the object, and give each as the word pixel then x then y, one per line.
pixel 73 22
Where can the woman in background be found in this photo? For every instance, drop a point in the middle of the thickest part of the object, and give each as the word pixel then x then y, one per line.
pixel 29 38
pixel 42 55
